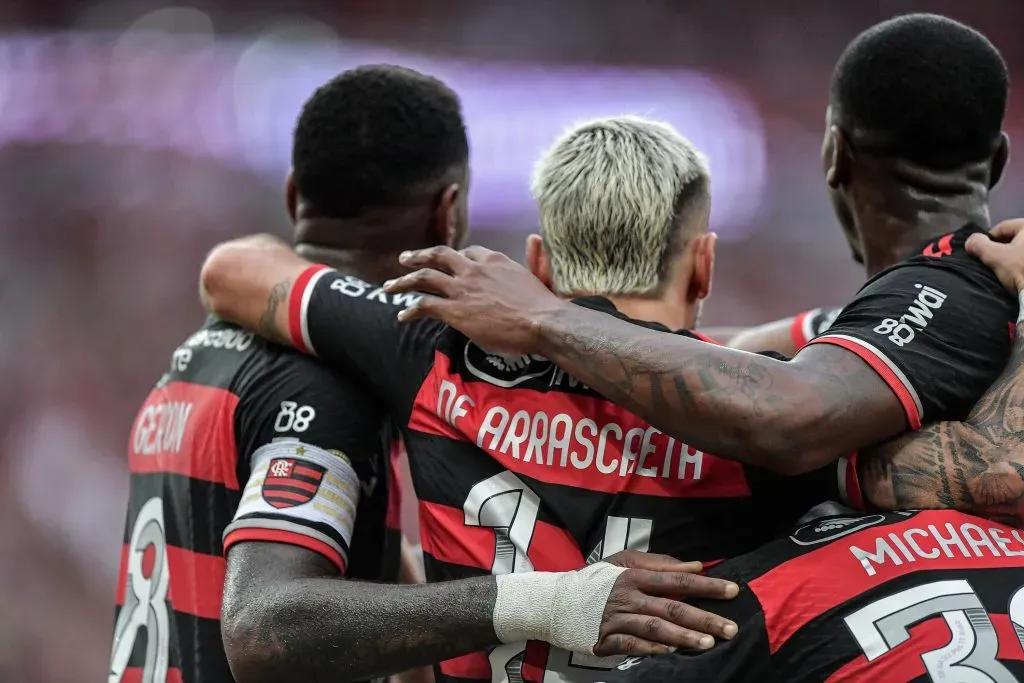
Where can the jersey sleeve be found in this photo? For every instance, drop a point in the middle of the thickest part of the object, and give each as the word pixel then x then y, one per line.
pixel 810 324
pixel 936 328
pixel 353 326
pixel 744 659
pixel 310 442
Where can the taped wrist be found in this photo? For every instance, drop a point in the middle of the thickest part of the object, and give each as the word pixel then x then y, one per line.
pixel 564 609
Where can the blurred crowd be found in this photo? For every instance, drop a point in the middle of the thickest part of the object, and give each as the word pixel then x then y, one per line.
pixel 118 173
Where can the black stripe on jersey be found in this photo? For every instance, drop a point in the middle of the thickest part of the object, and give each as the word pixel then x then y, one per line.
pixel 704 529
pixel 187 502
pixel 824 645
pixel 324 529
pixel 195 647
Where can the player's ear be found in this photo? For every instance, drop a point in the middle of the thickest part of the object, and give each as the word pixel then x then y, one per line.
pixel 291 197
pixel 703 266
pixel 445 228
pixel 999 160
pixel 839 158
pixel 537 260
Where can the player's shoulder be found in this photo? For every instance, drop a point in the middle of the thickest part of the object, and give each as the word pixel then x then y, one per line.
pixel 946 252
pixel 814 536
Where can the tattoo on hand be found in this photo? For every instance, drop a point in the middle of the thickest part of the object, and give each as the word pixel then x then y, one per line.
pixel 267 326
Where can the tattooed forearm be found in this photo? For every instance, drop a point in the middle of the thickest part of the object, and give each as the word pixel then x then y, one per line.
pixel 787 416
pixel 333 630
pixel 976 465
pixel 269 326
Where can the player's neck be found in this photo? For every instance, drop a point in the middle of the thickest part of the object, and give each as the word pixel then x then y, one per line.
pixel 332 242
pixel 673 314
pixel 909 214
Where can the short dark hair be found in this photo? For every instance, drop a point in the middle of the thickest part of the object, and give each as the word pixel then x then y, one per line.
pixel 373 134
pixel 931 87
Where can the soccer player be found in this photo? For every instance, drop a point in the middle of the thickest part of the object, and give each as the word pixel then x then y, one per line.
pixel 914 143
pixel 381 159
pixel 517 465
pixel 896 598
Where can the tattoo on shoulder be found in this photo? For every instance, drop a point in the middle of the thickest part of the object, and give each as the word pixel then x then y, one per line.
pixel 267 326
pixel 976 465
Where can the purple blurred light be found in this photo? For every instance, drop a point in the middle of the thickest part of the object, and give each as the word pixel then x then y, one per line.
pixel 237 102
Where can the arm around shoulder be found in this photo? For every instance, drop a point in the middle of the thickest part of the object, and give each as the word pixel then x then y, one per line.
pixel 247 281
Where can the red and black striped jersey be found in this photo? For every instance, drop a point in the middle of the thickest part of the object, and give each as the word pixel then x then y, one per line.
pixel 905 597
pixel 241 440
pixel 519 467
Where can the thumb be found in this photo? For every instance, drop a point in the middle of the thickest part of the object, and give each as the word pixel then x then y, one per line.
pixel 982 247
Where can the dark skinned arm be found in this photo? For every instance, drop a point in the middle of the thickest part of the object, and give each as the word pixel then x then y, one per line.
pixel 791 417
pixel 976 465
pixel 287 616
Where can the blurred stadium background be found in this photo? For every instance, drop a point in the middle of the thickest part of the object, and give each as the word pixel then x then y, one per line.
pixel 134 136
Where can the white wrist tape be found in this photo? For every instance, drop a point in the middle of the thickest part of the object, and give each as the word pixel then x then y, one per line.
pixel 563 608
pixel 1020 300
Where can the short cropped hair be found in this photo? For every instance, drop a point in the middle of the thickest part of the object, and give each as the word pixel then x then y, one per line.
pixel 932 88
pixel 612 195
pixel 371 135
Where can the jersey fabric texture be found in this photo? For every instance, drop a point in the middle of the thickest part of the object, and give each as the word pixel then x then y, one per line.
pixel 519 467
pixel 937 328
pixel 241 440
pixel 885 598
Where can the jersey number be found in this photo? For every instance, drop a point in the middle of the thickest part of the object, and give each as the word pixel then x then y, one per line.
pixel 293 417
pixel 145 599
pixel 970 655
pixel 506 504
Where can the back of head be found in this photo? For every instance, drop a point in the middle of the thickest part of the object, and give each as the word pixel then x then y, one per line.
pixel 378 137
pixel 618 199
pixel 922 88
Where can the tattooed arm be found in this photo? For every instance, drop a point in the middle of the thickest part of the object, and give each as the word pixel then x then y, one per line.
pixel 976 465
pixel 287 616
pixel 869 378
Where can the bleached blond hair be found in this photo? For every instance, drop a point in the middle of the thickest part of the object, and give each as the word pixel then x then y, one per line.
pixel 615 196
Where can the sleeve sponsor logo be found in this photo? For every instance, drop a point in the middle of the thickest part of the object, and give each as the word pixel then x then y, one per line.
pixel 920 312
pixel 290 483
pixel 831 528
pixel 358 289
pixel 503 370
pixel 229 339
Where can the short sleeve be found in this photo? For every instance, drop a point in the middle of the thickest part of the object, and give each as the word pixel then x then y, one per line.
pixel 810 324
pixel 352 325
pixel 744 659
pixel 310 446
pixel 936 328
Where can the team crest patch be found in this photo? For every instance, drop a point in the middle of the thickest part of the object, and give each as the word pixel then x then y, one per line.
pixel 290 483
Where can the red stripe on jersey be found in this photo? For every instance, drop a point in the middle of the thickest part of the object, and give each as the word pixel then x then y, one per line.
pixel 133 674
pixel 705 338
pixel 186 429
pixel 796 330
pixel 475 665
pixel 854 492
pixel 904 663
pixel 874 359
pixel 789 602
pixel 287 537
pixel 393 518
pixel 447 538
pixel 569 439
pixel 196 581
pixel 296 307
